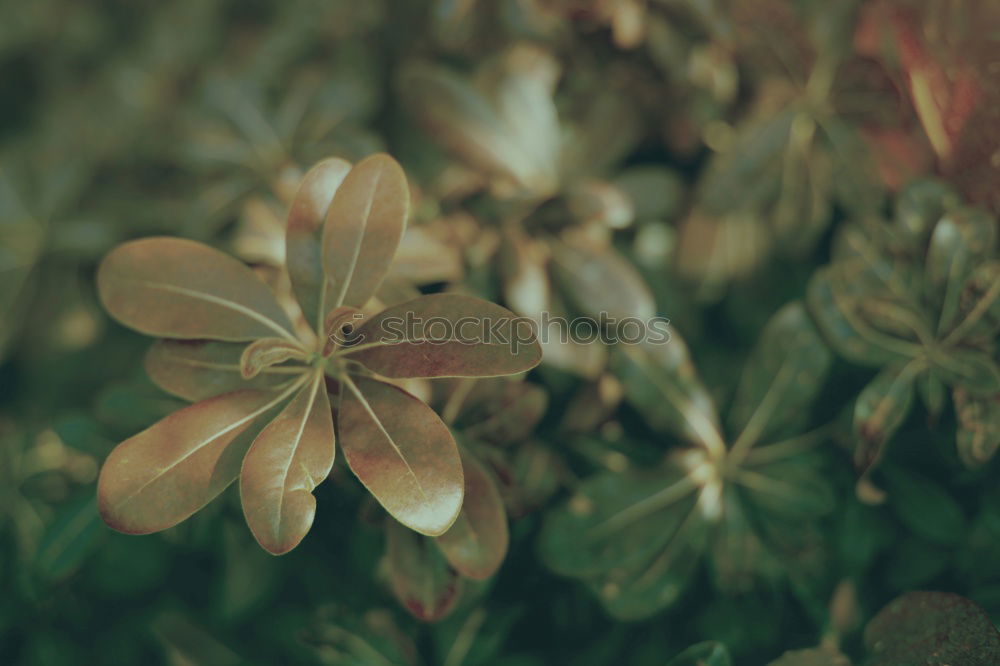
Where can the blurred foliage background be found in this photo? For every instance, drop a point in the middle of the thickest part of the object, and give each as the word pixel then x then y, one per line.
pixel 703 160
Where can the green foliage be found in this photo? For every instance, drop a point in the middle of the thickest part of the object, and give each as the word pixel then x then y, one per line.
pixel 793 202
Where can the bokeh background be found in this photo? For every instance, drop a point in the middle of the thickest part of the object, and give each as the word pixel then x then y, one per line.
pixel 695 156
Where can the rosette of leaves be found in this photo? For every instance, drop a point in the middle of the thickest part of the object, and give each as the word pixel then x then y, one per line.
pixel 749 509
pixel 432 576
pixel 552 203
pixel 263 387
pixel 820 119
pixel 919 299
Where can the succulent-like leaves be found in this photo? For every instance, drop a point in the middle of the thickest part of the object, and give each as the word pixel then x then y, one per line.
pixel 446 335
pixel 303 252
pixel 288 459
pixel 781 378
pixel 476 544
pixel 199 369
pixel 835 299
pixel 979 305
pixel 516 137
pixel 420 576
pixel 962 239
pixel 969 369
pixel 600 280
pixel 159 477
pixel 403 453
pixel 362 231
pixel 607 524
pixel 661 382
pixel 932 628
pixel 176 288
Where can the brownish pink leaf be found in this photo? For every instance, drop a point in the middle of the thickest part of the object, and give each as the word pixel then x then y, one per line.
pixel 363 228
pixel 402 452
pixel 447 335
pixel 303 252
pixel 164 474
pixel 420 577
pixel 288 459
pixel 477 543
pixel 177 288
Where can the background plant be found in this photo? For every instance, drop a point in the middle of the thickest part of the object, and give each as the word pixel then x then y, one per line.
pixel 714 163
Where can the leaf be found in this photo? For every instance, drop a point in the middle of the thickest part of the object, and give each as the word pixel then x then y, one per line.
pixel 159 477
pixel 638 591
pixel 781 378
pixel 509 411
pixel 709 653
pixel 363 227
pixel 199 369
pixel 962 239
pixel 600 281
pixel 303 252
pixel 925 507
pixel 72 536
pixel 266 352
pixel 812 657
pixel 932 629
pixel 290 457
pixel 969 369
pixel 446 335
pixel 978 427
pixel 516 138
pixel 617 521
pixel 880 409
pixel 402 453
pixel 661 383
pixel 979 305
pixel 421 578
pixel 835 300
pixel 476 544
pixel 176 288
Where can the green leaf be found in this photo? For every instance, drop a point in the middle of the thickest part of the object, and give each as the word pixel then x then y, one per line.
pixel 960 241
pixel 164 474
pixel 812 657
pixel 925 507
pixel 660 381
pixel 600 281
pixel 920 205
pixel 303 252
pixel 502 411
pixel 781 378
pixel 978 427
pixel 421 579
pixel 932 629
pixel 476 543
pixel 969 369
pixel 709 653
pixel 199 369
pixel 362 231
pixel 446 335
pixel 290 457
pixel 835 299
pixel 880 409
pixel 979 305
pixel 403 454
pixel 617 521
pixel 176 288
pixel 72 535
